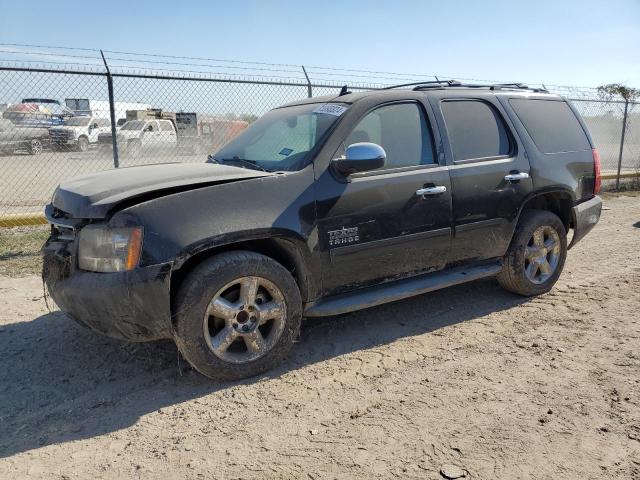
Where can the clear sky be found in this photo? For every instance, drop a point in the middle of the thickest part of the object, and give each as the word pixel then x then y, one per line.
pixel 571 42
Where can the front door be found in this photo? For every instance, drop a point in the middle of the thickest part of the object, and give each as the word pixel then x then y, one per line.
pixel 168 138
pixel 392 222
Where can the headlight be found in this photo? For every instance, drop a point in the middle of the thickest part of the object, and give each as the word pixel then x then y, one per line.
pixel 103 249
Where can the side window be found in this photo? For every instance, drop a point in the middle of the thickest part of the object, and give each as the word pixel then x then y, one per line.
pixel 552 125
pixel 401 129
pixel 165 126
pixel 475 129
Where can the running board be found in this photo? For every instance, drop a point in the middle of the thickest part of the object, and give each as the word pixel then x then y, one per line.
pixel 398 290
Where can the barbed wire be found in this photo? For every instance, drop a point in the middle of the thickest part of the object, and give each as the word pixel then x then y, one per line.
pixel 158 63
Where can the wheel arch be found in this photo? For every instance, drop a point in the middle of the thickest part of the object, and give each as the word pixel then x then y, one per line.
pixel 558 202
pixel 289 252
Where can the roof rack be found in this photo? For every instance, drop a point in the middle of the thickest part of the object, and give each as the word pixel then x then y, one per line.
pixel 435 84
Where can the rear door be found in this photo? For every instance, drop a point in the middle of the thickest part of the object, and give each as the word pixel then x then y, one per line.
pixel 383 225
pixel 489 173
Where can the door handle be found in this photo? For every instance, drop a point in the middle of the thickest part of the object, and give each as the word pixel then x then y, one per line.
pixel 514 177
pixel 421 192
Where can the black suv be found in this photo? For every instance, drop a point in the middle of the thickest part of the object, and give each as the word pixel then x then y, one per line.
pixel 321 207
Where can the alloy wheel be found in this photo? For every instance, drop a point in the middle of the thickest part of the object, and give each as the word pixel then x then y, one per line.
pixel 83 144
pixel 36 147
pixel 542 254
pixel 245 319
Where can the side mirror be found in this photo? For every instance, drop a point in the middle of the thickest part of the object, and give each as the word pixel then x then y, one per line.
pixel 361 157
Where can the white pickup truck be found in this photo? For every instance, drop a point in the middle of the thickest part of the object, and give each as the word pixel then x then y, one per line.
pixel 144 136
pixel 78 132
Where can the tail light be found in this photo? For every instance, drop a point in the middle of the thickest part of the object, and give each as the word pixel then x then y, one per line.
pixel 596 171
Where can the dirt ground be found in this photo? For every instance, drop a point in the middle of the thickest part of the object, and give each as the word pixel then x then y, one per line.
pixel 474 377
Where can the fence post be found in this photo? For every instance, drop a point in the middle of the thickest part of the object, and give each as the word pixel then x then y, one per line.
pixel 112 112
pixel 309 92
pixel 624 128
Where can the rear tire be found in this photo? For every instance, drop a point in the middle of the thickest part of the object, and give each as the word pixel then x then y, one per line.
pixel 536 256
pixel 237 315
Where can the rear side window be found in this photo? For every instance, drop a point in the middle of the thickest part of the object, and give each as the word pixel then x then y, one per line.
pixel 552 125
pixel 476 130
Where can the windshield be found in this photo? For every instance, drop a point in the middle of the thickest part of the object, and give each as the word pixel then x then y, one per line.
pixel 77 121
pixel 282 138
pixel 133 125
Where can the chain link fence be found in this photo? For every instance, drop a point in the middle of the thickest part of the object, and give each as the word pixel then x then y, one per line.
pixel 615 128
pixel 57 124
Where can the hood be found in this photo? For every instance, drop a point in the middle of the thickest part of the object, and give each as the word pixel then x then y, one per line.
pixel 95 195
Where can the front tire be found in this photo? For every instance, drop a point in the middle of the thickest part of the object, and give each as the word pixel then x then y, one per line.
pixel 35 148
pixel 237 315
pixel 536 256
pixel 83 144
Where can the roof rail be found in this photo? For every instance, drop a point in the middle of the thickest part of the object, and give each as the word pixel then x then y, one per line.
pixel 435 84
pixel 490 86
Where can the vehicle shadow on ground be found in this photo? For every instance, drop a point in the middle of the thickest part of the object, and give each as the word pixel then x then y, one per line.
pixel 60 382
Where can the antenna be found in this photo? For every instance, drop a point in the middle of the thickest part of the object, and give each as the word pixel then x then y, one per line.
pixel 344 91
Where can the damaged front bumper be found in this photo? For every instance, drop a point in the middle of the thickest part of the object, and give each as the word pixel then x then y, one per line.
pixel 133 305
pixel 584 217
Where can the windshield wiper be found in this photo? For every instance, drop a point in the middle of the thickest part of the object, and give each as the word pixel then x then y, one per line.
pixel 251 164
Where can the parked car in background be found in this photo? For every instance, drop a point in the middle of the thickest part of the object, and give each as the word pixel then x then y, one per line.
pixel 199 134
pixel 78 132
pixel 136 137
pixel 14 137
pixel 43 113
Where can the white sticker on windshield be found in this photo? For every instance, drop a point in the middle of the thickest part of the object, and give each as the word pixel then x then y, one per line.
pixel 331 109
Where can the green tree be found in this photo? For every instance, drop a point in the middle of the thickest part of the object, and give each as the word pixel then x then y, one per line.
pixel 611 90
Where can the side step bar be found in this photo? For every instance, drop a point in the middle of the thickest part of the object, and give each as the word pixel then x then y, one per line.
pixel 398 290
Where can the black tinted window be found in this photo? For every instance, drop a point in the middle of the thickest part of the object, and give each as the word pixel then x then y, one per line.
pixel 401 130
pixel 475 130
pixel 552 125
